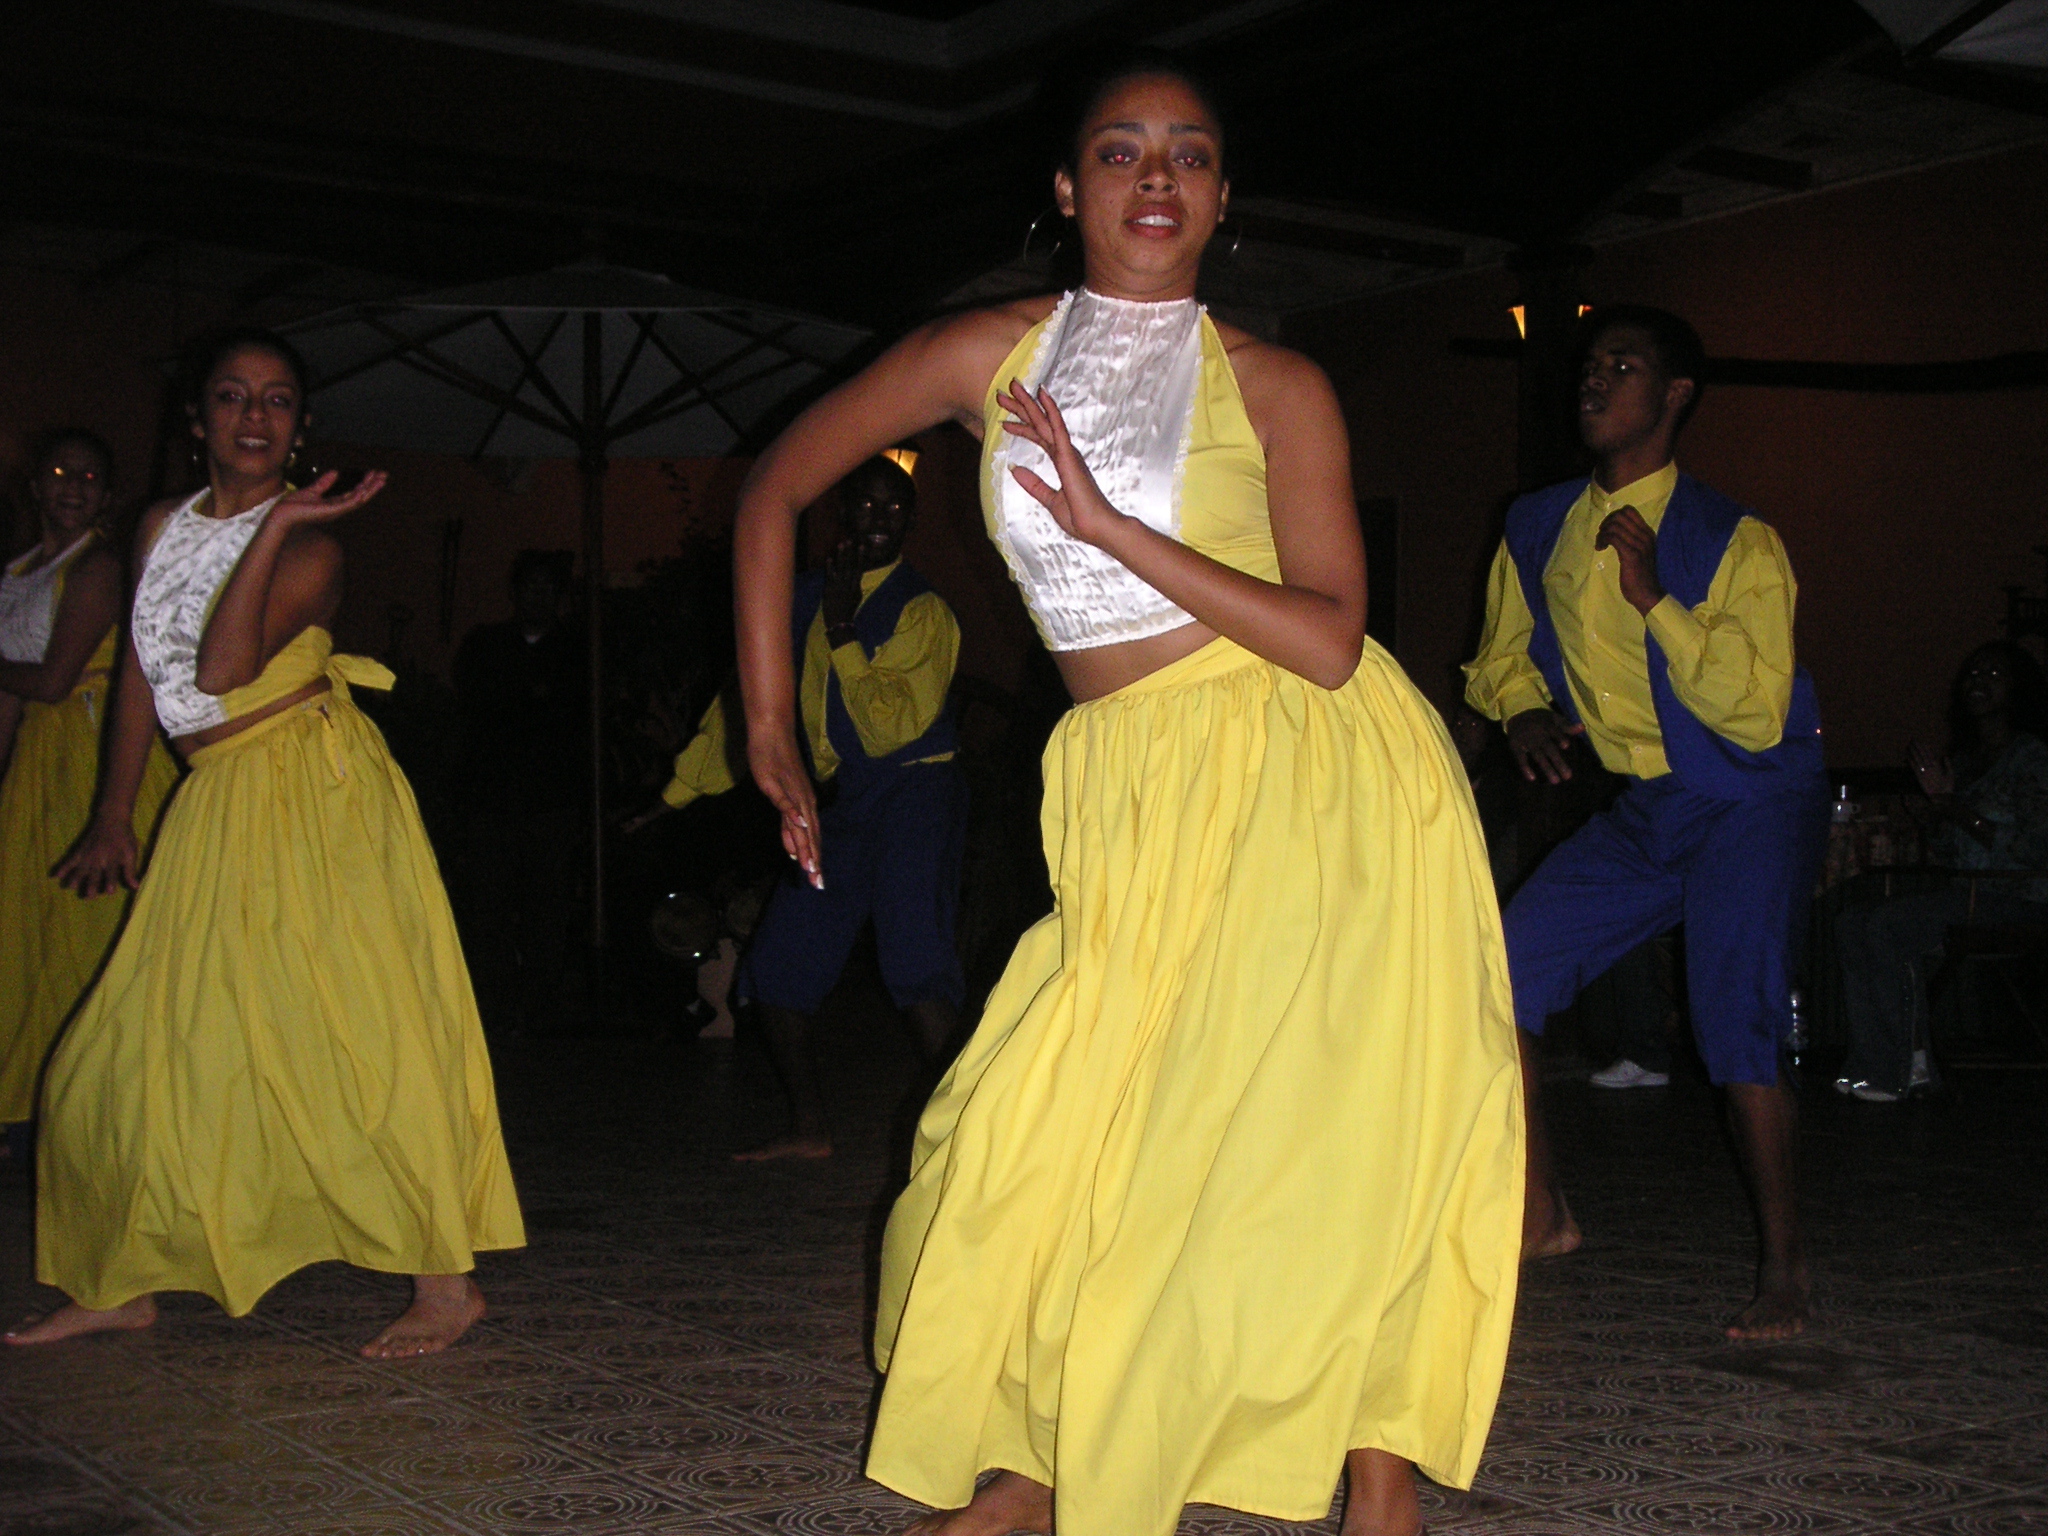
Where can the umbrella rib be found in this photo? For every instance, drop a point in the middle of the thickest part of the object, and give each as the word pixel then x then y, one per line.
pixel 423 359
pixel 529 368
pixel 721 318
pixel 646 322
pixel 442 371
pixel 659 407
pixel 532 362
pixel 401 343
pixel 756 343
pixel 681 397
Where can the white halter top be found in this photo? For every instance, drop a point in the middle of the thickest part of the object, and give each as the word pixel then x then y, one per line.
pixel 28 602
pixel 1124 375
pixel 187 566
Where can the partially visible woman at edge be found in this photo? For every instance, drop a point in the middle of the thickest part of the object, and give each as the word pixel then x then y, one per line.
pixel 281 1063
pixel 60 606
pixel 1223 1197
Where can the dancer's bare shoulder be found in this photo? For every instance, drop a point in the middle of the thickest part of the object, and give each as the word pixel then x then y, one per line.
pixel 968 348
pixel 1279 385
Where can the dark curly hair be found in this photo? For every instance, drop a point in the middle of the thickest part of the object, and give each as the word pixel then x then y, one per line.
pixel 206 354
pixel 1076 102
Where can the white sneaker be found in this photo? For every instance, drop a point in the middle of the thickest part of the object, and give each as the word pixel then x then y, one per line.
pixel 1626 1074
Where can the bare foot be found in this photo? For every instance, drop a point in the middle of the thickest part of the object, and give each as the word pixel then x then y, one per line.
pixel 807 1148
pixel 1782 1309
pixel 1005 1505
pixel 71 1320
pixel 1381 1497
pixel 443 1307
pixel 1548 1230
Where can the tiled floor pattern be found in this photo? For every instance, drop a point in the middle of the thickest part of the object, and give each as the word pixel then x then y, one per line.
pixel 681 1348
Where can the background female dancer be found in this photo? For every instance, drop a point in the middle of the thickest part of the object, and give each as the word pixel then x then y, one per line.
pixel 282 1062
pixel 59 606
pixel 1223 1197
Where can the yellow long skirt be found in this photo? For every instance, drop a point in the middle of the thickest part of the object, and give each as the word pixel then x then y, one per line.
pixel 1229 1179
pixel 51 942
pixel 282 1062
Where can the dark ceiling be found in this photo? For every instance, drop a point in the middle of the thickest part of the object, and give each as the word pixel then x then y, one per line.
pixel 861 160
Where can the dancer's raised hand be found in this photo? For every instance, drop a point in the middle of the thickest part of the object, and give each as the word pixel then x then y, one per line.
pixel 1076 503
pixel 320 502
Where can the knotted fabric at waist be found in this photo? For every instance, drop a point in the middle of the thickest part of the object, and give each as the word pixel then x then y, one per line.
pixel 342 672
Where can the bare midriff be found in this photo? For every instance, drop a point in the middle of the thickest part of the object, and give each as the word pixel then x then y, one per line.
pixel 1095 673
pixel 187 745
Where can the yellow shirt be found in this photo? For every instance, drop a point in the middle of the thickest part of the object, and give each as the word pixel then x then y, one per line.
pixel 893 697
pixel 1730 659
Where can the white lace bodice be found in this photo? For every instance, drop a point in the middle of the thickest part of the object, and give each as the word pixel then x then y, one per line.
pixel 1124 376
pixel 28 603
pixel 187 566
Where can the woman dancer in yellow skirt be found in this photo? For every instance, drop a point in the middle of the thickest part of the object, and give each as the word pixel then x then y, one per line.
pixel 1223 1197
pixel 282 1062
pixel 59 607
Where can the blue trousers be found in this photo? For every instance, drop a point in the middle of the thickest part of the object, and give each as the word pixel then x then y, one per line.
pixel 894 841
pixel 1738 873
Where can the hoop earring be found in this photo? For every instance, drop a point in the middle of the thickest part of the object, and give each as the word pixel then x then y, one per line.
pixel 1029 234
pixel 1236 238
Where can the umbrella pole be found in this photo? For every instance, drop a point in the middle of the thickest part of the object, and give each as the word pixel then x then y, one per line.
pixel 592 461
pixel 593 466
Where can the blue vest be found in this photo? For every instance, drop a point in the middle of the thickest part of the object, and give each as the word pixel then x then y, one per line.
pixel 873 624
pixel 1691 542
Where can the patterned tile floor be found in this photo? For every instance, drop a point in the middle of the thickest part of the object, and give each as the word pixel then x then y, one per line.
pixel 681 1349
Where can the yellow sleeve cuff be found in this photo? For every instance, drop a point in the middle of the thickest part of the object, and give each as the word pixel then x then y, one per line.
pixel 676 794
pixel 849 660
pixel 1672 625
pixel 1520 695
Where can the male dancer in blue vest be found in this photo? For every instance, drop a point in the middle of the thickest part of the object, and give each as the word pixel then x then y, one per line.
pixel 875 648
pixel 1654 616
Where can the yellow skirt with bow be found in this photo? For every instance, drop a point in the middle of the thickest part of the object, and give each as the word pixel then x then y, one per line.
pixel 1229 1180
pixel 51 942
pixel 282 1062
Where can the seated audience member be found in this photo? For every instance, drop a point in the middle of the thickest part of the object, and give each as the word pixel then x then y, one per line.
pixel 1990 794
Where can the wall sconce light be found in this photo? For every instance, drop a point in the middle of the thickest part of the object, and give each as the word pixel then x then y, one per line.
pixel 1522 318
pixel 904 459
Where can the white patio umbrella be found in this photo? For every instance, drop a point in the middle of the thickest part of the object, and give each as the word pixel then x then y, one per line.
pixel 591 361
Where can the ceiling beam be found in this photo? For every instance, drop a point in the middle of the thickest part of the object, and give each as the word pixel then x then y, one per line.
pixel 1315 236
pixel 1960 82
pixel 1971 18
pixel 643 65
pixel 1652 204
pixel 2007 370
pixel 1746 165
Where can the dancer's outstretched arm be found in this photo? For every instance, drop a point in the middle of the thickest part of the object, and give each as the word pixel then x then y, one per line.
pixel 937 373
pixel 288 578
